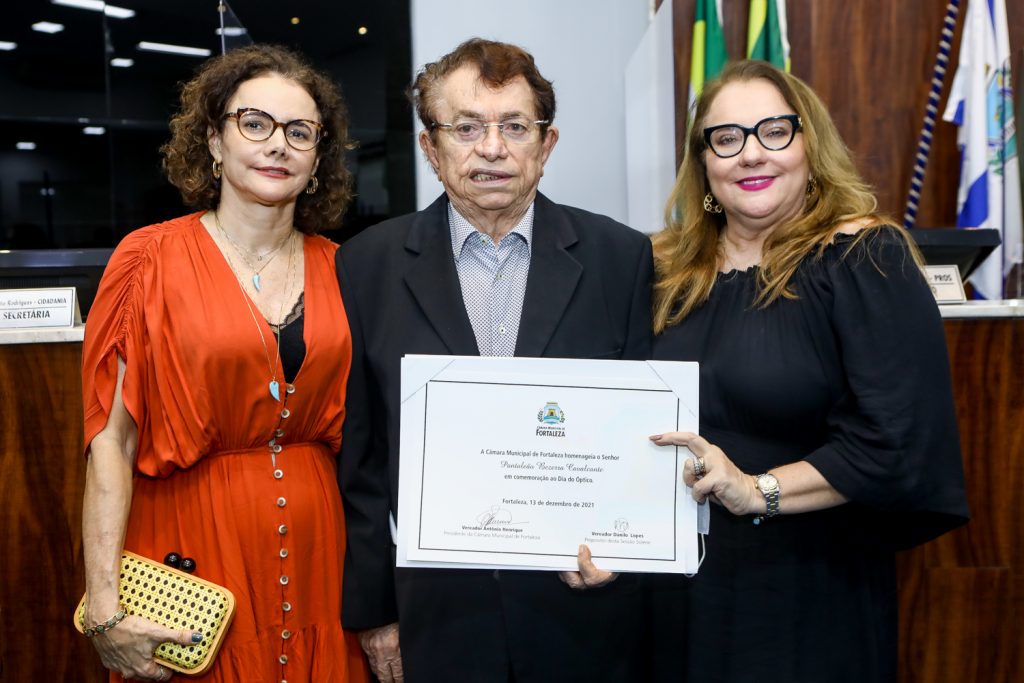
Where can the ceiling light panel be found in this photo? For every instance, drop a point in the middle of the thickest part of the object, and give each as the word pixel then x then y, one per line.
pixel 47 27
pixel 173 49
pixel 118 12
pixel 7 45
pixel 98 6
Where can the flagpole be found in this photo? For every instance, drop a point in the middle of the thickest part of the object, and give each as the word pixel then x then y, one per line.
pixel 1019 290
pixel 931 109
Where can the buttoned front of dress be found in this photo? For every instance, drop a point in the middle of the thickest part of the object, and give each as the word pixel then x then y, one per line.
pixel 277 464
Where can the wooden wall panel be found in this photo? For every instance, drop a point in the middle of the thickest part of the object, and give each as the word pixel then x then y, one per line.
pixel 872 64
pixel 41 515
pixel 962 595
pixel 871 61
pixel 989 387
pixel 955 627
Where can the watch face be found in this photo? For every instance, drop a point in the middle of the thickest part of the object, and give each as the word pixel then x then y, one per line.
pixel 767 483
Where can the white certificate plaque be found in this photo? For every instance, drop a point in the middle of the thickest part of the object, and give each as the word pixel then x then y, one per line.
pixel 515 462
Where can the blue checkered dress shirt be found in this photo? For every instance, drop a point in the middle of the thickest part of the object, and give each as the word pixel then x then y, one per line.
pixel 493 280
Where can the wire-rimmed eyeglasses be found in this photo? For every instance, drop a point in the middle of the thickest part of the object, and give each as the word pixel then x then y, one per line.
pixel 774 133
pixel 469 131
pixel 257 125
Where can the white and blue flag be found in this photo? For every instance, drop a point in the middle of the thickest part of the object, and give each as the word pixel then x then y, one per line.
pixel 981 104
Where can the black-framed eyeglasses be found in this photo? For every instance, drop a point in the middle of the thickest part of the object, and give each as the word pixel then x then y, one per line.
pixel 257 125
pixel 774 133
pixel 469 131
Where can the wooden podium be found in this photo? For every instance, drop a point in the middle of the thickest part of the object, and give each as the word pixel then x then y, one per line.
pixel 41 514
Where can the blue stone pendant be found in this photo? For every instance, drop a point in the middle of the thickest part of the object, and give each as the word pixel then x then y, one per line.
pixel 256 281
pixel 275 390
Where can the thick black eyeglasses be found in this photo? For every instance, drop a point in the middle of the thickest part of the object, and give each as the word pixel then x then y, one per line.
pixel 774 133
pixel 257 125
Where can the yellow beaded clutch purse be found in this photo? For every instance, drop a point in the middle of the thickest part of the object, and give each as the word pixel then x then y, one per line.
pixel 177 600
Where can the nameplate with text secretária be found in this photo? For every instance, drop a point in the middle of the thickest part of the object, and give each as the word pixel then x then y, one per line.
pixel 50 307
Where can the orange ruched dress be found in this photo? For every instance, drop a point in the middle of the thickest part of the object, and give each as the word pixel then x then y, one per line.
pixel 208 485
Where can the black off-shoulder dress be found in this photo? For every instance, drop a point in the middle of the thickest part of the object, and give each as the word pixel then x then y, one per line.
pixel 853 377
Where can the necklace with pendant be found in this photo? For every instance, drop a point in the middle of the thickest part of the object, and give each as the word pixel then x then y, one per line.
pixel 273 385
pixel 727 260
pixel 244 253
pixel 729 263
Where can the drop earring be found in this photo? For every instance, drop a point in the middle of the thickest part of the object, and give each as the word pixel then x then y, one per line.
pixel 711 205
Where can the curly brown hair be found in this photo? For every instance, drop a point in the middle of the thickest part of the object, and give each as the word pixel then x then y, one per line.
pixel 186 156
pixel 498 64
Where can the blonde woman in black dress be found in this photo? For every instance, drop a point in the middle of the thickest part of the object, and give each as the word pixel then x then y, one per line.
pixel 828 433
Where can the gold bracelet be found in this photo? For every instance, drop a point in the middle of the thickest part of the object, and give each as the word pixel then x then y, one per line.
pixel 108 624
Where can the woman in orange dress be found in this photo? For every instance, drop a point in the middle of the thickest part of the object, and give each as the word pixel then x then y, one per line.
pixel 214 369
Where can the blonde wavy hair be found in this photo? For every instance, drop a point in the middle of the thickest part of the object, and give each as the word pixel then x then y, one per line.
pixel 686 252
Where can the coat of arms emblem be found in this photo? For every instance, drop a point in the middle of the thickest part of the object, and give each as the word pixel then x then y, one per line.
pixel 551 414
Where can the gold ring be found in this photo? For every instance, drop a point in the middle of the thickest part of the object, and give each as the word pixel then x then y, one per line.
pixel 699 469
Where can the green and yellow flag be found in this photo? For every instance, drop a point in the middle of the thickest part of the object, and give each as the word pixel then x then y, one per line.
pixel 767 37
pixel 708 56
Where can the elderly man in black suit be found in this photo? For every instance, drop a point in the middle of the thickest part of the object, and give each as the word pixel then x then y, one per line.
pixel 491 268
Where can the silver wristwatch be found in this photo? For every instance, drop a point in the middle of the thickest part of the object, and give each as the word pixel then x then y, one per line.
pixel 768 485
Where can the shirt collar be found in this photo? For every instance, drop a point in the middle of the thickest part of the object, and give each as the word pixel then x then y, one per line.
pixel 461 229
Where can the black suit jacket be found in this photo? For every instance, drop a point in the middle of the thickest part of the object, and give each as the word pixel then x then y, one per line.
pixel 587 296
